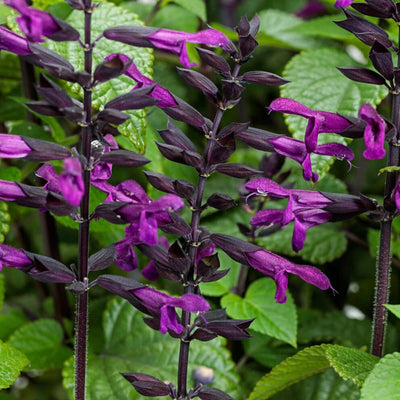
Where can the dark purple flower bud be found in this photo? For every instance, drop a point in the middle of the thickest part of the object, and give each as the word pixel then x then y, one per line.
pixel 237 170
pixel 382 59
pixel 361 74
pixel 318 121
pixel 174 136
pixel 247 31
pixel 220 201
pixel 13 146
pixel 134 100
pixel 258 138
pixel 378 8
pixel 36 23
pixel 76 4
pixel 166 39
pixel 178 155
pixel 209 393
pixel 213 60
pixel 198 81
pixel 262 78
pixel 124 158
pixel 272 164
pixel 103 258
pixel 374 134
pixel 147 385
pixel 231 89
pixel 364 30
pixel 177 259
pixel 13 43
pixel 161 182
pixel 111 68
pixel 112 116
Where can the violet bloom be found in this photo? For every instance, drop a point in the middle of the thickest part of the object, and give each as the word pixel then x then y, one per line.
pixel 342 3
pixel 164 305
pixel 374 134
pixel 10 191
pixel 11 257
pixel 296 150
pixel 175 41
pixel 278 269
pixel 318 121
pixel 311 9
pixel 146 213
pixel 37 23
pixel 141 80
pixel 304 207
pixel 13 43
pixel 70 182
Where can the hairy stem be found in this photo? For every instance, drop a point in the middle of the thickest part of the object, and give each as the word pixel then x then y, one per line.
pixel 383 266
pixel 82 306
pixel 195 236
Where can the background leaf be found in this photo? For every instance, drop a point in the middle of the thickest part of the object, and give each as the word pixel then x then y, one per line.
pixel 4 221
pixel 108 15
pixel 394 308
pixel 273 319
pixel 11 364
pixel 383 381
pixel 131 346
pixel 312 70
pixel 196 7
pixel 41 342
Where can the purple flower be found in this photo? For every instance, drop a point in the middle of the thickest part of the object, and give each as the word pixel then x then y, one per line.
pixel 158 92
pixel 304 207
pixel 278 269
pixel 164 305
pixel 296 150
pixel 318 121
pixel 14 146
pixel 311 9
pixel 342 3
pixel 13 43
pixel 70 182
pixel 11 257
pixel 374 134
pixel 167 40
pixel 175 41
pixel 36 23
pixel 10 191
pixel 145 213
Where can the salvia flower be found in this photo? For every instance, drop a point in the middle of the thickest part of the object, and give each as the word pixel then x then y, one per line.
pixel 37 23
pixel 278 268
pixel 270 264
pixel 318 121
pixel 166 39
pixel 374 134
pixel 343 3
pixel 14 258
pixel 164 305
pixel 159 92
pixel 69 183
pixel 14 146
pixel 13 43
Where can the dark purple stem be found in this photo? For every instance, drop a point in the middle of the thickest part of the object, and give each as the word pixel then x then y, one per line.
pixel 195 235
pixel 82 308
pixel 382 288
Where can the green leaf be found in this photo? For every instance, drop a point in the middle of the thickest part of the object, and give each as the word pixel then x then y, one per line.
pixel 276 320
pixel 384 380
pixel 276 29
pixel 177 18
pixel 10 73
pixel 2 291
pixel 11 364
pixel 394 308
pixel 391 168
pixel 196 7
pixel 322 244
pixel 351 363
pixel 11 174
pixel 316 83
pixel 131 346
pixel 10 322
pixel 305 363
pixel 41 342
pixel 108 15
pixel 224 285
pixel 322 27
pixel 325 386
pixel 30 129
pixel 4 220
